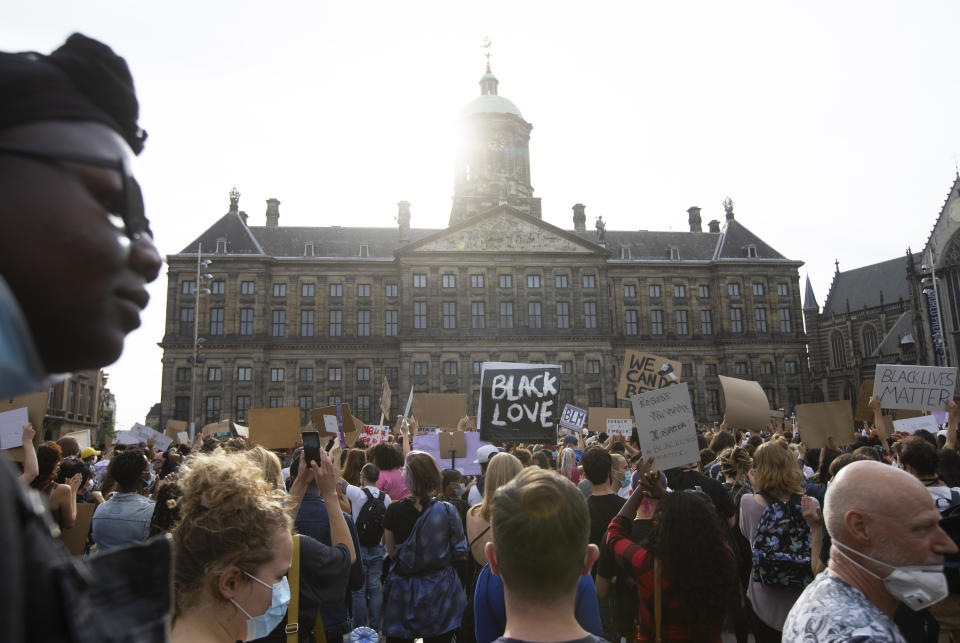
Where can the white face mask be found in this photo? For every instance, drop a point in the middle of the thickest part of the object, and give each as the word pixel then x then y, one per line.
pixel 917 586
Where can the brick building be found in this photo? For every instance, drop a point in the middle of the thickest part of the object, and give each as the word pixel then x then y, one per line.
pixel 305 316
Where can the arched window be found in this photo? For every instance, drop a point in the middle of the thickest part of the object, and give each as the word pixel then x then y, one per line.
pixel 839 355
pixel 869 337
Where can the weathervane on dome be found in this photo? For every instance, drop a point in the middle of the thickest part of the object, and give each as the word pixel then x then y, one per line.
pixel 486 45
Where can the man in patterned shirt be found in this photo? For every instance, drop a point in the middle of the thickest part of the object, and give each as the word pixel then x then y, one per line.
pixel 883 524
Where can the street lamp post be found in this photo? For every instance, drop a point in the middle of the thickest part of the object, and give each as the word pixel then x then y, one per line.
pixel 196 336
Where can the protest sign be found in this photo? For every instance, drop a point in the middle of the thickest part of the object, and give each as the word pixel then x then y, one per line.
pixel 82 437
pixel 406 410
pixel 746 405
pixel 218 429
pixel 925 388
pixel 325 421
pixel 452 442
pixel 11 427
pixel 597 416
pixel 174 427
pixel 863 412
pixel 183 437
pixel 241 431
pixel 645 372
pixel 75 538
pixel 374 434
pixel 274 428
pixel 620 426
pixel 665 426
pixel 439 410
pixel 141 434
pixel 518 402
pixel 819 421
pixel 36 405
pixel 386 397
pixel 573 417
pixel 906 414
pixel 912 425
pixel 466 465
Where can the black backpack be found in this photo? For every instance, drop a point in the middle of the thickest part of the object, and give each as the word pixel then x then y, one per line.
pixel 370 520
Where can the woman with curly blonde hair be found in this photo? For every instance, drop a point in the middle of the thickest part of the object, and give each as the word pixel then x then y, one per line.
pixel 232 549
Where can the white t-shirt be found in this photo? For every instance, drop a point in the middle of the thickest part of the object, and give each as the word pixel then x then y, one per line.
pixel 941 496
pixel 358 498
pixel 474 497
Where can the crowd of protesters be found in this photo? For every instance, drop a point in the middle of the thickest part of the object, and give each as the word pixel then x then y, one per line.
pixel 582 539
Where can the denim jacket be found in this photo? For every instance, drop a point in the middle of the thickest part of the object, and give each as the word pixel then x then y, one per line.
pixel 122 520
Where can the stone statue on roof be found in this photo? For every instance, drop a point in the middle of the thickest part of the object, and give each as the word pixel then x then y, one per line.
pixel 601 229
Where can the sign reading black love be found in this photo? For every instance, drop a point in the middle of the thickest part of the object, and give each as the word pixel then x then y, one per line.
pixel 518 402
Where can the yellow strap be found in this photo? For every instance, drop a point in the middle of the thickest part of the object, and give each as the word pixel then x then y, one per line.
pixel 293 610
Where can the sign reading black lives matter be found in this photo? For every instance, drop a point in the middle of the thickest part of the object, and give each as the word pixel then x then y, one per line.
pixel 900 386
pixel 518 402
pixel 665 426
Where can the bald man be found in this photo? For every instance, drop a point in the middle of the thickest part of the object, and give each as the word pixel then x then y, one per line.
pixel 888 548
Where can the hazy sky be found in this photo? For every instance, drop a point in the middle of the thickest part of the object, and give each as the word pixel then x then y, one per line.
pixel 832 125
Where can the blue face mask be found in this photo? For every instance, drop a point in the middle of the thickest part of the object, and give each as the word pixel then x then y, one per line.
pixel 626 479
pixel 260 626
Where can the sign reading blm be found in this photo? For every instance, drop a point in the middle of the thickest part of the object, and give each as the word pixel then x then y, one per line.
pixel 518 402
pixel 645 372
pixel 899 386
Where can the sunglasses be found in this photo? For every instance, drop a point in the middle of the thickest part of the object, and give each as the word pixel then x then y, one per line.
pixel 135 221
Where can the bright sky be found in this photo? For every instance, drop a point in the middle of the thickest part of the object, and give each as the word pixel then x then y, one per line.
pixel 832 125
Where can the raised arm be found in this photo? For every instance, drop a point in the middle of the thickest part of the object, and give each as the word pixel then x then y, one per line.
pixel 326 478
pixel 878 424
pixel 952 421
pixel 30 466
pixel 814 518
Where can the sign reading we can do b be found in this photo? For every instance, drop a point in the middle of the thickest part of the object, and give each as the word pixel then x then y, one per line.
pixel 518 402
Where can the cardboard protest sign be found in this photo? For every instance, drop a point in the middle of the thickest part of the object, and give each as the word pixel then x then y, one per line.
pixel 906 414
pixel 620 426
pixel 912 425
pixel 518 402
pixel 665 426
pixel 386 397
pixel 452 442
pixel 646 372
pixel 439 410
pixel 926 388
pixel 325 421
pixel 374 434
pixel 466 465
pixel 174 427
pixel 597 416
pixel 274 428
pixel 746 405
pixel 864 413
pixel 82 437
pixel 573 417
pixel 141 434
pixel 885 427
pixel 36 405
pixel 214 429
pixel 75 538
pixel 816 422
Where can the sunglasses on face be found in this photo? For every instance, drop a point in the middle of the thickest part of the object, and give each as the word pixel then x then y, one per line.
pixel 135 221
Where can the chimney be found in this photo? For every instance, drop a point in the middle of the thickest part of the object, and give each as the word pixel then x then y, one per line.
pixel 273 213
pixel 580 217
pixel 403 219
pixel 714 226
pixel 694 219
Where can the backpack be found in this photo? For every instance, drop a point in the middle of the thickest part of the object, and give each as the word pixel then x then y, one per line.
pixel 370 520
pixel 781 546
pixel 950 523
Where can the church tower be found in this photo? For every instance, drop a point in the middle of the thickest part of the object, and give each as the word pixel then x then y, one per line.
pixel 493 158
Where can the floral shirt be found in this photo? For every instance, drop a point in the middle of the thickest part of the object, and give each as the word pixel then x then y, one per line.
pixel 831 610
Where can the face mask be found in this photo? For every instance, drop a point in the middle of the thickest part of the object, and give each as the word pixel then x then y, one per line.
pixel 626 480
pixel 463 488
pixel 917 586
pixel 260 626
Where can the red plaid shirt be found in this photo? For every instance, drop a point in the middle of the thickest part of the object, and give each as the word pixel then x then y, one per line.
pixel 638 562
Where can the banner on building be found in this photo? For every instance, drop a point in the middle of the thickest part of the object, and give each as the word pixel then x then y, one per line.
pixel 518 402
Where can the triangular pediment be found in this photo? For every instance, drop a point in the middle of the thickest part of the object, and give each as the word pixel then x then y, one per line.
pixel 502 230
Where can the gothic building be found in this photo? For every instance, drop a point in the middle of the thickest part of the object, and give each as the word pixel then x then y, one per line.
pixel 306 316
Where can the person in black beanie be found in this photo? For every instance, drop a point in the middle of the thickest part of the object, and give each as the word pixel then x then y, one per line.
pixel 75 256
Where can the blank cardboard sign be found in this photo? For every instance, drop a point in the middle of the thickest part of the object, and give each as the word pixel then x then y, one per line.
pixel 745 404
pixel 448 441
pixel 819 421
pixel 439 410
pixel 75 538
pixel 274 428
